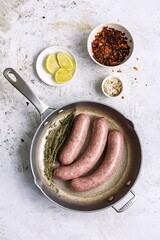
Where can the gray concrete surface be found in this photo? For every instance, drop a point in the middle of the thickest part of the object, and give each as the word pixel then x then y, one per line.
pixel 26 28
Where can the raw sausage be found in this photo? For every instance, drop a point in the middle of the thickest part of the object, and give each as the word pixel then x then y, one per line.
pixel 107 168
pixel 90 156
pixel 76 139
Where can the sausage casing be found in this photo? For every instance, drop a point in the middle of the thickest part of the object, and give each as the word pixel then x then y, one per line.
pixel 91 156
pixel 107 168
pixel 76 139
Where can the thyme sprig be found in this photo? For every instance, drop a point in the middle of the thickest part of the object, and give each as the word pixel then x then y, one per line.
pixel 54 142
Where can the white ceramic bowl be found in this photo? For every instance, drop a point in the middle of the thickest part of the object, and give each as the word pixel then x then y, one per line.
pixel 99 29
pixel 40 68
pixel 105 82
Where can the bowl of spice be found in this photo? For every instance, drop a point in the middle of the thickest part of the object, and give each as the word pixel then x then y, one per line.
pixel 110 45
pixel 112 86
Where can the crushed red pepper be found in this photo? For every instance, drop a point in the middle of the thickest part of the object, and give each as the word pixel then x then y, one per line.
pixel 110 47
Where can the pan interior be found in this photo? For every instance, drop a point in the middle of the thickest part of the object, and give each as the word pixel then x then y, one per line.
pixel 60 191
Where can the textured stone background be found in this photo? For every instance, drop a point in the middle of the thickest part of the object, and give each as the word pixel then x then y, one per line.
pixel 26 28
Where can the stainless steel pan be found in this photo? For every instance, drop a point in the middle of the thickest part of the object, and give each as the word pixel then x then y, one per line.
pixel 109 193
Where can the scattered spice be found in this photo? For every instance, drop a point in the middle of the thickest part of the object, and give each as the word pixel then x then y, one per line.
pixel 22 140
pixel 137 59
pixel 112 70
pixel 43 17
pixel 54 142
pixel 146 85
pixel 119 71
pixel 135 78
pixel 122 97
pixel 110 47
pixel 135 68
pixel 32 81
pixel 27 103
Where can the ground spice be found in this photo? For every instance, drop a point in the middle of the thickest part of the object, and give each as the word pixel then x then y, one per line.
pixel 112 87
pixel 110 47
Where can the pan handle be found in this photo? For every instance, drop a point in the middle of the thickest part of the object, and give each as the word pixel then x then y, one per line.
pixel 15 79
pixel 126 205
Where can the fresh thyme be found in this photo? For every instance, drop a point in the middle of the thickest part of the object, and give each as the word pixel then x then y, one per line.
pixel 54 142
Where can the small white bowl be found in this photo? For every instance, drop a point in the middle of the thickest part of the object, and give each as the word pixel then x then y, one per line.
pixel 106 81
pixel 98 29
pixel 40 68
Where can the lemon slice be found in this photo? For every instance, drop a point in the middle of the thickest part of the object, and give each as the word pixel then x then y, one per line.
pixel 64 61
pixel 51 64
pixel 63 75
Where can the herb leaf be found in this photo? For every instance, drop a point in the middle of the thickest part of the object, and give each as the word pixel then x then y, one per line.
pixel 54 142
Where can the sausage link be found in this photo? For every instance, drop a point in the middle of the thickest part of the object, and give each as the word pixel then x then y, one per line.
pixel 107 168
pixel 90 156
pixel 76 139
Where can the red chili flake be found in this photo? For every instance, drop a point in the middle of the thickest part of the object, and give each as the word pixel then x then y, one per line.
pixel 110 47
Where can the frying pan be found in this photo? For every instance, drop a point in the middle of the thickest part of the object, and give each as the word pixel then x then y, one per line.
pixel 110 192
